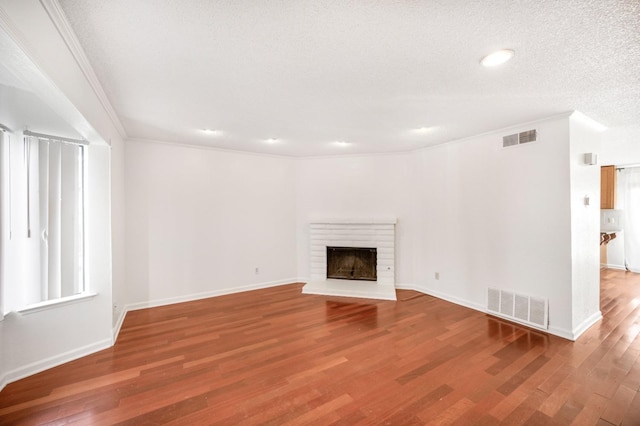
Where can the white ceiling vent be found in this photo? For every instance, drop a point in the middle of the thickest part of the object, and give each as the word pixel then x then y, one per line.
pixel 519 138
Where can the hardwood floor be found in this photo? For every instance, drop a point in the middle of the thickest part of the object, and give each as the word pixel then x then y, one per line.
pixel 278 357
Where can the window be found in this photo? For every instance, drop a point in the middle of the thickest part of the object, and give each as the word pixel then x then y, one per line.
pixel 43 220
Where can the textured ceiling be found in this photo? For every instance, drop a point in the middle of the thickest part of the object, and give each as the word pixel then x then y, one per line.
pixel 310 73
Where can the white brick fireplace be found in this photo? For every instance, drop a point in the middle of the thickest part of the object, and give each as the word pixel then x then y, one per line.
pixel 362 233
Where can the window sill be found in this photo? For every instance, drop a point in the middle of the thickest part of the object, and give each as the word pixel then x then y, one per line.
pixel 48 304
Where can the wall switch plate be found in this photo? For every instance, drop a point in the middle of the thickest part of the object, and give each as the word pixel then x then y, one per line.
pixel 437 275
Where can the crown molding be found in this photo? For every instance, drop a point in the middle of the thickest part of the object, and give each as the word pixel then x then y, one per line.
pixel 57 16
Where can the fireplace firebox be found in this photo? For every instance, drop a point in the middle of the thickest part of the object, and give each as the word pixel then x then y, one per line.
pixel 352 263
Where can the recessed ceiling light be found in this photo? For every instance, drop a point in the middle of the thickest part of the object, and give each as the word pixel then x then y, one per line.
pixel 497 58
pixel 422 130
pixel 341 143
pixel 272 140
pixel 212 132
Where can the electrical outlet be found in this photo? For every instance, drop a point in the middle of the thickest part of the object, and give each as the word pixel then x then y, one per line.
pixel 257 270
pixel 437 275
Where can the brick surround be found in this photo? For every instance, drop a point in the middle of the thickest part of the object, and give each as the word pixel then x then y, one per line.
pixel 373 233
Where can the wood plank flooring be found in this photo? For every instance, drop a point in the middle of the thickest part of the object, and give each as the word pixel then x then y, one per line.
pixel 279 357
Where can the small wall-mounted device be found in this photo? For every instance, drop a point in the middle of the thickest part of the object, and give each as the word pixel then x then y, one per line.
pixel 591 159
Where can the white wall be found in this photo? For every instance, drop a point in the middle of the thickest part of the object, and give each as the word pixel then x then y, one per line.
pixel 120 295
pixel 39 340
pixel 478 215
pixel 199 221
pixel 615 252
pixel 375 186
pixel 494 217
pixel 615 247
pixel 585 224
pixel 615 152
pixel 30 343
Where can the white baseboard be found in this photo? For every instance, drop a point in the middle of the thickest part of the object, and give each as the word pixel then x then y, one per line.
pixel 560 332
pixel 54 361
pixel 620 267
pixel 443 296
pixel 584 326
pixel 194 296
pixel 118 326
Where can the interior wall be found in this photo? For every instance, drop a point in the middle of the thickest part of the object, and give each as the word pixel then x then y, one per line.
pixel 356 187
pixel 615 152
pixel 119 287
pixel 615 247
pixel 200 221
pixel 36 341
pixel 497 217
pixel 585 224
pixel 618 153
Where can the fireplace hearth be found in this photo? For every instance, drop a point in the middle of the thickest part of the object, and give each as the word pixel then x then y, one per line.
pixel 366 253
pixel 352 263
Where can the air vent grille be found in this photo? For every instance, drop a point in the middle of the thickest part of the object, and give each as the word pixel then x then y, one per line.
pixel 520 138
pixel 510 140
pixel 531 311
pixel 528 136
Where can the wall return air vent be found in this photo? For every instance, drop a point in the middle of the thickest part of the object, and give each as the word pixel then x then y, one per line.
pixel 519 138
pixel 527 310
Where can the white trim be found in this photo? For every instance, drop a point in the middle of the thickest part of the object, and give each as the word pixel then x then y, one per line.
pixel 584 326
pixel 498 131
pixel 16 35
pixel 55 303
pixel 57 16
pixel 195 296
pixel 118 326
pixel 446 297
pixel 210 148
pixel 560 332
pixel 611 266
pixel 405 152
pixel 54 361
pixel 359 221
pixel 53 138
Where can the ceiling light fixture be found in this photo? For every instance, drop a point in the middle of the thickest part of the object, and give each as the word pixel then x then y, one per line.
pixel 341 143
pixel 272 140
pixel 497 58
pixel 421 130
pixel 211 132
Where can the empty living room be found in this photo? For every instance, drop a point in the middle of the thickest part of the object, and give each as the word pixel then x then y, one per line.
pixel 319 212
